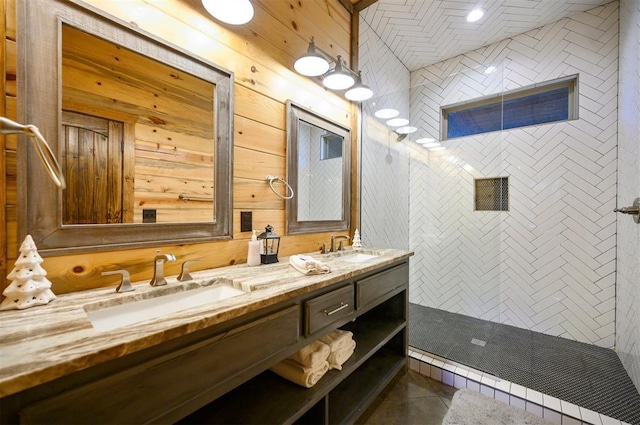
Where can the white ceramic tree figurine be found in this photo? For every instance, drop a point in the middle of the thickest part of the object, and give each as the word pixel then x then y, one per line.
pixel 29 286
pixel 356 243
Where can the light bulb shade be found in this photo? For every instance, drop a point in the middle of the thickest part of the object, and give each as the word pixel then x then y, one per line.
pixel 359 91
pixel 338 79
pixel 397 122
pixel 236 12
pixel 406 130
pixel 387 113
pixel 311 64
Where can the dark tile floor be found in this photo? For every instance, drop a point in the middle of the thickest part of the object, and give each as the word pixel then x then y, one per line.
pixel 583 374
pixel 409 399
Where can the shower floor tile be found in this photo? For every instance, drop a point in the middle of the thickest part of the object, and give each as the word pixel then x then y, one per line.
pixel 583 374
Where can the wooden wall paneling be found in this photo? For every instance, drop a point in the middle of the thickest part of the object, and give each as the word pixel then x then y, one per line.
pixel 263 65
pixel 254 61
pixel 3 155
pixel 256 135
pixel 310 19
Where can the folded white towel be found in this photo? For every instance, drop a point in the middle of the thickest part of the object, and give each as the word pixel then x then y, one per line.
pixel 337 358
pixel 338 339
pixel 312 355
pixel 298 374
pixel 308 265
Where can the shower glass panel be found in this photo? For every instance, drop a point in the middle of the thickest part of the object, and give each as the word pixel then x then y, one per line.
pixel 422 189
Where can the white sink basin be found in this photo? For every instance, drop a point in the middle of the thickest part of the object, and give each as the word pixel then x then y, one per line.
pixel 109 318
pixel 357 258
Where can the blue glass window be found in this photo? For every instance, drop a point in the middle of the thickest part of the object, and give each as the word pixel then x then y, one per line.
pixel 529 106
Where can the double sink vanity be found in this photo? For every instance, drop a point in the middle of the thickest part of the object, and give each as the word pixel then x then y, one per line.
pixel 199 351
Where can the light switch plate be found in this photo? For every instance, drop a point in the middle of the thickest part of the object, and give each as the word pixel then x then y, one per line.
pixel 246 221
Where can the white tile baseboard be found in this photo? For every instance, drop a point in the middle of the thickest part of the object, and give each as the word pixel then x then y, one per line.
pixel 459 376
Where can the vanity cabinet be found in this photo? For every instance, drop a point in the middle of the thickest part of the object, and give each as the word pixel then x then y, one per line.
pixel 221 374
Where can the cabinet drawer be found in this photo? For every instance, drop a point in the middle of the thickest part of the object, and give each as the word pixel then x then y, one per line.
pixel 374 289
pixel 154 391
pixel 326 309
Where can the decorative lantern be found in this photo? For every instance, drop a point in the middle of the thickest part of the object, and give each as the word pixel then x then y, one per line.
pixel 270 243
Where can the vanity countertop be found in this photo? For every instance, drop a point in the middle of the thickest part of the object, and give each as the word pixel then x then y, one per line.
pixel 43 343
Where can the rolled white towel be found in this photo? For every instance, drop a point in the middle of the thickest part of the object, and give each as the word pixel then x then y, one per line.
pixel 312 355
pixel 337 358
pixel 298 374
pixel 338 339
pixel 308 265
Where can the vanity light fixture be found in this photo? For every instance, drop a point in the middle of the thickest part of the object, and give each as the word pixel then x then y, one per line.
pixel 236 12
pixel 407 129
pixel 312 63
pixel 317 63
pixel 338 78
pixel 397 122
pixel 359 91
pixel 386 113
pixel 475 15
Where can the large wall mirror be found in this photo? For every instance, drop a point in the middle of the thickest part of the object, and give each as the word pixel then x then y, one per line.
pixel 318 169
pixel 142 129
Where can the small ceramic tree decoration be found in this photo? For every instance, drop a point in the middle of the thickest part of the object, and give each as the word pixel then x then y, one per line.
pixel 356 243
pixel 29 286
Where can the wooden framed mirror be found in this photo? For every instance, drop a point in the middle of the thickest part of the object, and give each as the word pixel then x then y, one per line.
pixel 318 170
pixel 142 129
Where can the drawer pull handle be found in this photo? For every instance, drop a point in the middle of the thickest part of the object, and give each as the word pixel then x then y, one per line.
pixel 342 307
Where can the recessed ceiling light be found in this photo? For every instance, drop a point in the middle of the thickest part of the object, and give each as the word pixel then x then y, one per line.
pixel 475 15
pixel 386 113
pixel 407 130
pixel 397 122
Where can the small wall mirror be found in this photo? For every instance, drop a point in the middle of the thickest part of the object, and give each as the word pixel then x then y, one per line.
pixel 318 170
pixel 142 129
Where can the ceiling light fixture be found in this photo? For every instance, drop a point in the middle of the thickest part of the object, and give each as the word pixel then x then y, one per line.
pixel 386 113
pixel 359 91
pixel 475 15
pixel 235 12
pixel 317 63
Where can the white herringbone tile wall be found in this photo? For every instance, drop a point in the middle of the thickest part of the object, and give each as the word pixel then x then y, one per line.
pixel 548 264
pixel 385 163
pixel 628 273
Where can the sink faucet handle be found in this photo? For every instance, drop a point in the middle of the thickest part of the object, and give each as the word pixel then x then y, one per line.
pixel 323 247
pixel 341 245
pixel 184 272
pixel 125 282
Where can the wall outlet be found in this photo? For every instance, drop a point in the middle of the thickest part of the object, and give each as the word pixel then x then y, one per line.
pixel 148 216
pixel 246 221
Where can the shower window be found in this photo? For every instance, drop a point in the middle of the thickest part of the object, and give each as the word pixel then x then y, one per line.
pixel 547 102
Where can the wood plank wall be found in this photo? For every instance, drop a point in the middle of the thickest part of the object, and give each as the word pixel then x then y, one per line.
pixel 261 54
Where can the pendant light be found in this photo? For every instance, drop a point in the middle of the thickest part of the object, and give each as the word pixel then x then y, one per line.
pixel 359 91
pixel 235 12
pixel 338 79
pixel 312 63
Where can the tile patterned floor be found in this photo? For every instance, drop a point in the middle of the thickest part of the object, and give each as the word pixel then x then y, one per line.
pixel 409 399
pixel 583 374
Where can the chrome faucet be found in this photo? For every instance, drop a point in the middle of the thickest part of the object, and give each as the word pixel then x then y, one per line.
pixel 341 238
pixel 158 270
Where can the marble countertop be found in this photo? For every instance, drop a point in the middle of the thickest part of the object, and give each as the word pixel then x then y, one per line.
pixel 43 343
